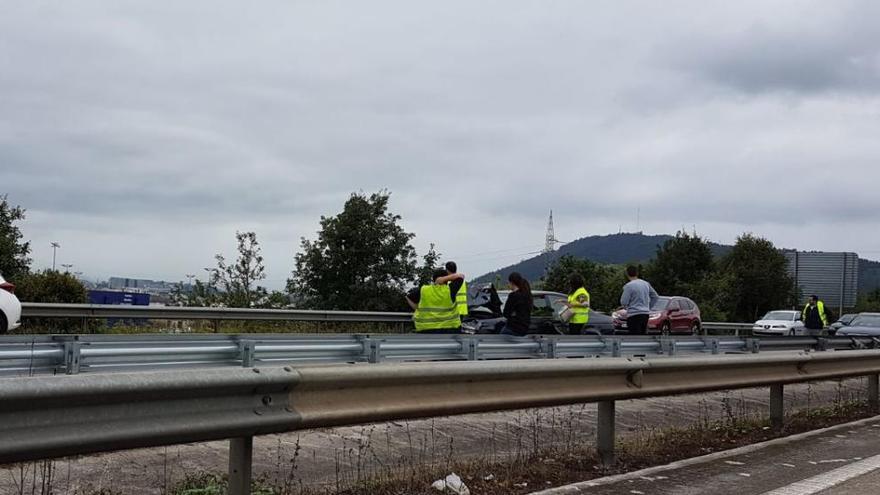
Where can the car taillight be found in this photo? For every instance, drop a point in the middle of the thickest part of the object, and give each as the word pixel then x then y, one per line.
pixel 10 288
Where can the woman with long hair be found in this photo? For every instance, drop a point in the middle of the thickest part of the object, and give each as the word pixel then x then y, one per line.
pixel 518 307
pixel 579 304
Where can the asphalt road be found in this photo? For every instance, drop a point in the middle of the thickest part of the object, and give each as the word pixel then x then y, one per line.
pixel 841 460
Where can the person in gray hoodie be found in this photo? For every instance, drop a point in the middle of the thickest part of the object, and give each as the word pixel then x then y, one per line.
pixel 637 299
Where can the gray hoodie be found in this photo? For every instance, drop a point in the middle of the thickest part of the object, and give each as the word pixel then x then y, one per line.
pixel 638 297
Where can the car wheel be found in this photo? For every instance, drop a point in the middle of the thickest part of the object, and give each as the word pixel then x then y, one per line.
pixel 4 324
pixel 665 328
pixel 695 328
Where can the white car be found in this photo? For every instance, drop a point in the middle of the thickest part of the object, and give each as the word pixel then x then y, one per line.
pixel 10 307
pixel 783 322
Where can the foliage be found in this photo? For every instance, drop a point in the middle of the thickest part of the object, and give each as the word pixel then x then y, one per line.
pixel 604 282
pixel 199 295
pixel 361 260
pixel 757 277
pixel 50 286
pixel 869 303
pixel 238 280
pixel 14 260
pixel 430 262
pixel 682 262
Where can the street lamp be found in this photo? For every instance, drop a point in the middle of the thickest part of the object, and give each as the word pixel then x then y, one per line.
pixel 67 267
pixel 55 247
pixel 190 277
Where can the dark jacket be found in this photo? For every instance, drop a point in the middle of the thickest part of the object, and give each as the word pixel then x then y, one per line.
pixel 518 311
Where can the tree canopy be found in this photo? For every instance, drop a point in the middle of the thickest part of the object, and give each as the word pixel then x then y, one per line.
pixel 361 260
pixel 14 251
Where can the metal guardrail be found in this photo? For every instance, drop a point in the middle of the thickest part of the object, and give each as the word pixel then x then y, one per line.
pixel 25 355
pixel 50 310
pixel 43 417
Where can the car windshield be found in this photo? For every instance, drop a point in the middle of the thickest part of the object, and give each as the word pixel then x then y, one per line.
pixel 660 304
pixel 847 319
pixel 866 321
pixel 780 315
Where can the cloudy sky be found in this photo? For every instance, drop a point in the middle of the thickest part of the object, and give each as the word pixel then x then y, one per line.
pixel 142 135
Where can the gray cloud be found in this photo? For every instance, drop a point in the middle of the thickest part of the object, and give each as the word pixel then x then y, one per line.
pixel 151 132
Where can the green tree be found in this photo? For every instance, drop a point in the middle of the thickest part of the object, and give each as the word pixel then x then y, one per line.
pixel 361 260
pixel 238 281
pixel 604 282
pixel 199 295
pixel 682 263
pixel 14 252
pixel 51 286
pixel 430 262
pixel 869 302
pixel 758 278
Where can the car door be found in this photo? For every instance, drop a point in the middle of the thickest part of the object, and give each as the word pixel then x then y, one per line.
pixel 674 311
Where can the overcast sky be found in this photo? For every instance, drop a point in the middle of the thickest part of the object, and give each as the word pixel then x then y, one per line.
pixel 142 135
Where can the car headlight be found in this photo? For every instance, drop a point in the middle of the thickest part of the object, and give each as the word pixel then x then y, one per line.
pixel 616 315
pixel 655 315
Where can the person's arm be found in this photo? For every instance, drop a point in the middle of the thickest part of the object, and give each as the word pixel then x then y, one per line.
pixel 508 305
pixel 413 305
pixel 449 278
pixel 625 297
pixel 412 298
pixel 652 294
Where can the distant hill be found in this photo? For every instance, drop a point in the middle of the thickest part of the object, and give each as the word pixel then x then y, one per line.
pixel 621 249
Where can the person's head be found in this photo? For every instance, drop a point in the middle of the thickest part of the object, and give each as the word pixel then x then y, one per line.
pixel 575 281
pixel 519 283
pixel 632 272
pixel 451 267
pixel 439 272
pixel 814 299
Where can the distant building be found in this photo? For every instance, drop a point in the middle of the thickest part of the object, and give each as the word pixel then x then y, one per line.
pixel 142 285
pixel 834 277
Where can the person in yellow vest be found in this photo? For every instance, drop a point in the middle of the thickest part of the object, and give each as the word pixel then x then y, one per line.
pixel 579 303
pixel 814 315
pixel 461 298
pixel 434 304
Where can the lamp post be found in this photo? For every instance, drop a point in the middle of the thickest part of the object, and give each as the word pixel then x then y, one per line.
pixel 190 277
pixel 67 267
pixel 55 247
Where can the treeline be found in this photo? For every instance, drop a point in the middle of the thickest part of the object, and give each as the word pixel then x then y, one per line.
pixel 740 286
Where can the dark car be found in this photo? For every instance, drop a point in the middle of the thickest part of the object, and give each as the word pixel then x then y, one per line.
pixel 485 305
pixel 668 315
pixel 864 324
pixel 843 321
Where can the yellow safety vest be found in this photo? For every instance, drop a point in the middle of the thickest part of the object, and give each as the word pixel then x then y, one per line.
pixel 821 306
pixel 461 299
pixel 436 311
pixel 580 315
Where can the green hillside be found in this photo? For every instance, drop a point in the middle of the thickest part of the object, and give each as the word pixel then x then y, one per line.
pixel 622 249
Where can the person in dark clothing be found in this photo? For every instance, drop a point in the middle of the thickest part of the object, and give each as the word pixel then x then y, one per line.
pixel 518 308
pixel 814 315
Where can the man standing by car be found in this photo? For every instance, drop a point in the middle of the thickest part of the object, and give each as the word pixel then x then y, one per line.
pixel 638 297
pixel 434 304
pixel 461 301
pixel 814 315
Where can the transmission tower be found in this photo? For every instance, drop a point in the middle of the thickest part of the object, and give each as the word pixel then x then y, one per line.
pixel 550 240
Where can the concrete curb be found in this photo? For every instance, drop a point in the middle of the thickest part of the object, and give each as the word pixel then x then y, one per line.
pixel 584 486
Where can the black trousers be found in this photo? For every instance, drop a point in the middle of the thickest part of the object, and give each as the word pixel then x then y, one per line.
pixel 576 328
pixel 637 324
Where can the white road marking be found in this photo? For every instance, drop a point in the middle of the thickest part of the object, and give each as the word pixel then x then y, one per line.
pixel 830 479
pixel 735 463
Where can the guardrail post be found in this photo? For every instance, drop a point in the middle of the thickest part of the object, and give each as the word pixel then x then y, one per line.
pixel 777 410
pixel 615 347
pixel 550 349
pixel 241 451
pixel 71 357
pixel 753 345
pixel 247 350
pixel 375 355
pixel 874 392
pixel 716 346
pixel 668 346
pixel 605 432
pixel 473 348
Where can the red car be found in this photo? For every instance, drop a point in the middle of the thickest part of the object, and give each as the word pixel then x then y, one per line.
pixel 668 315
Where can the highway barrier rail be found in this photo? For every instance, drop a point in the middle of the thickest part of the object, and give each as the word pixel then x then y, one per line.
pixel 48 417
pixel 27 355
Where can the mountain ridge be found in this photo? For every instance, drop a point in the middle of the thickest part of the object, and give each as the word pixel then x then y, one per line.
pixel 624 248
